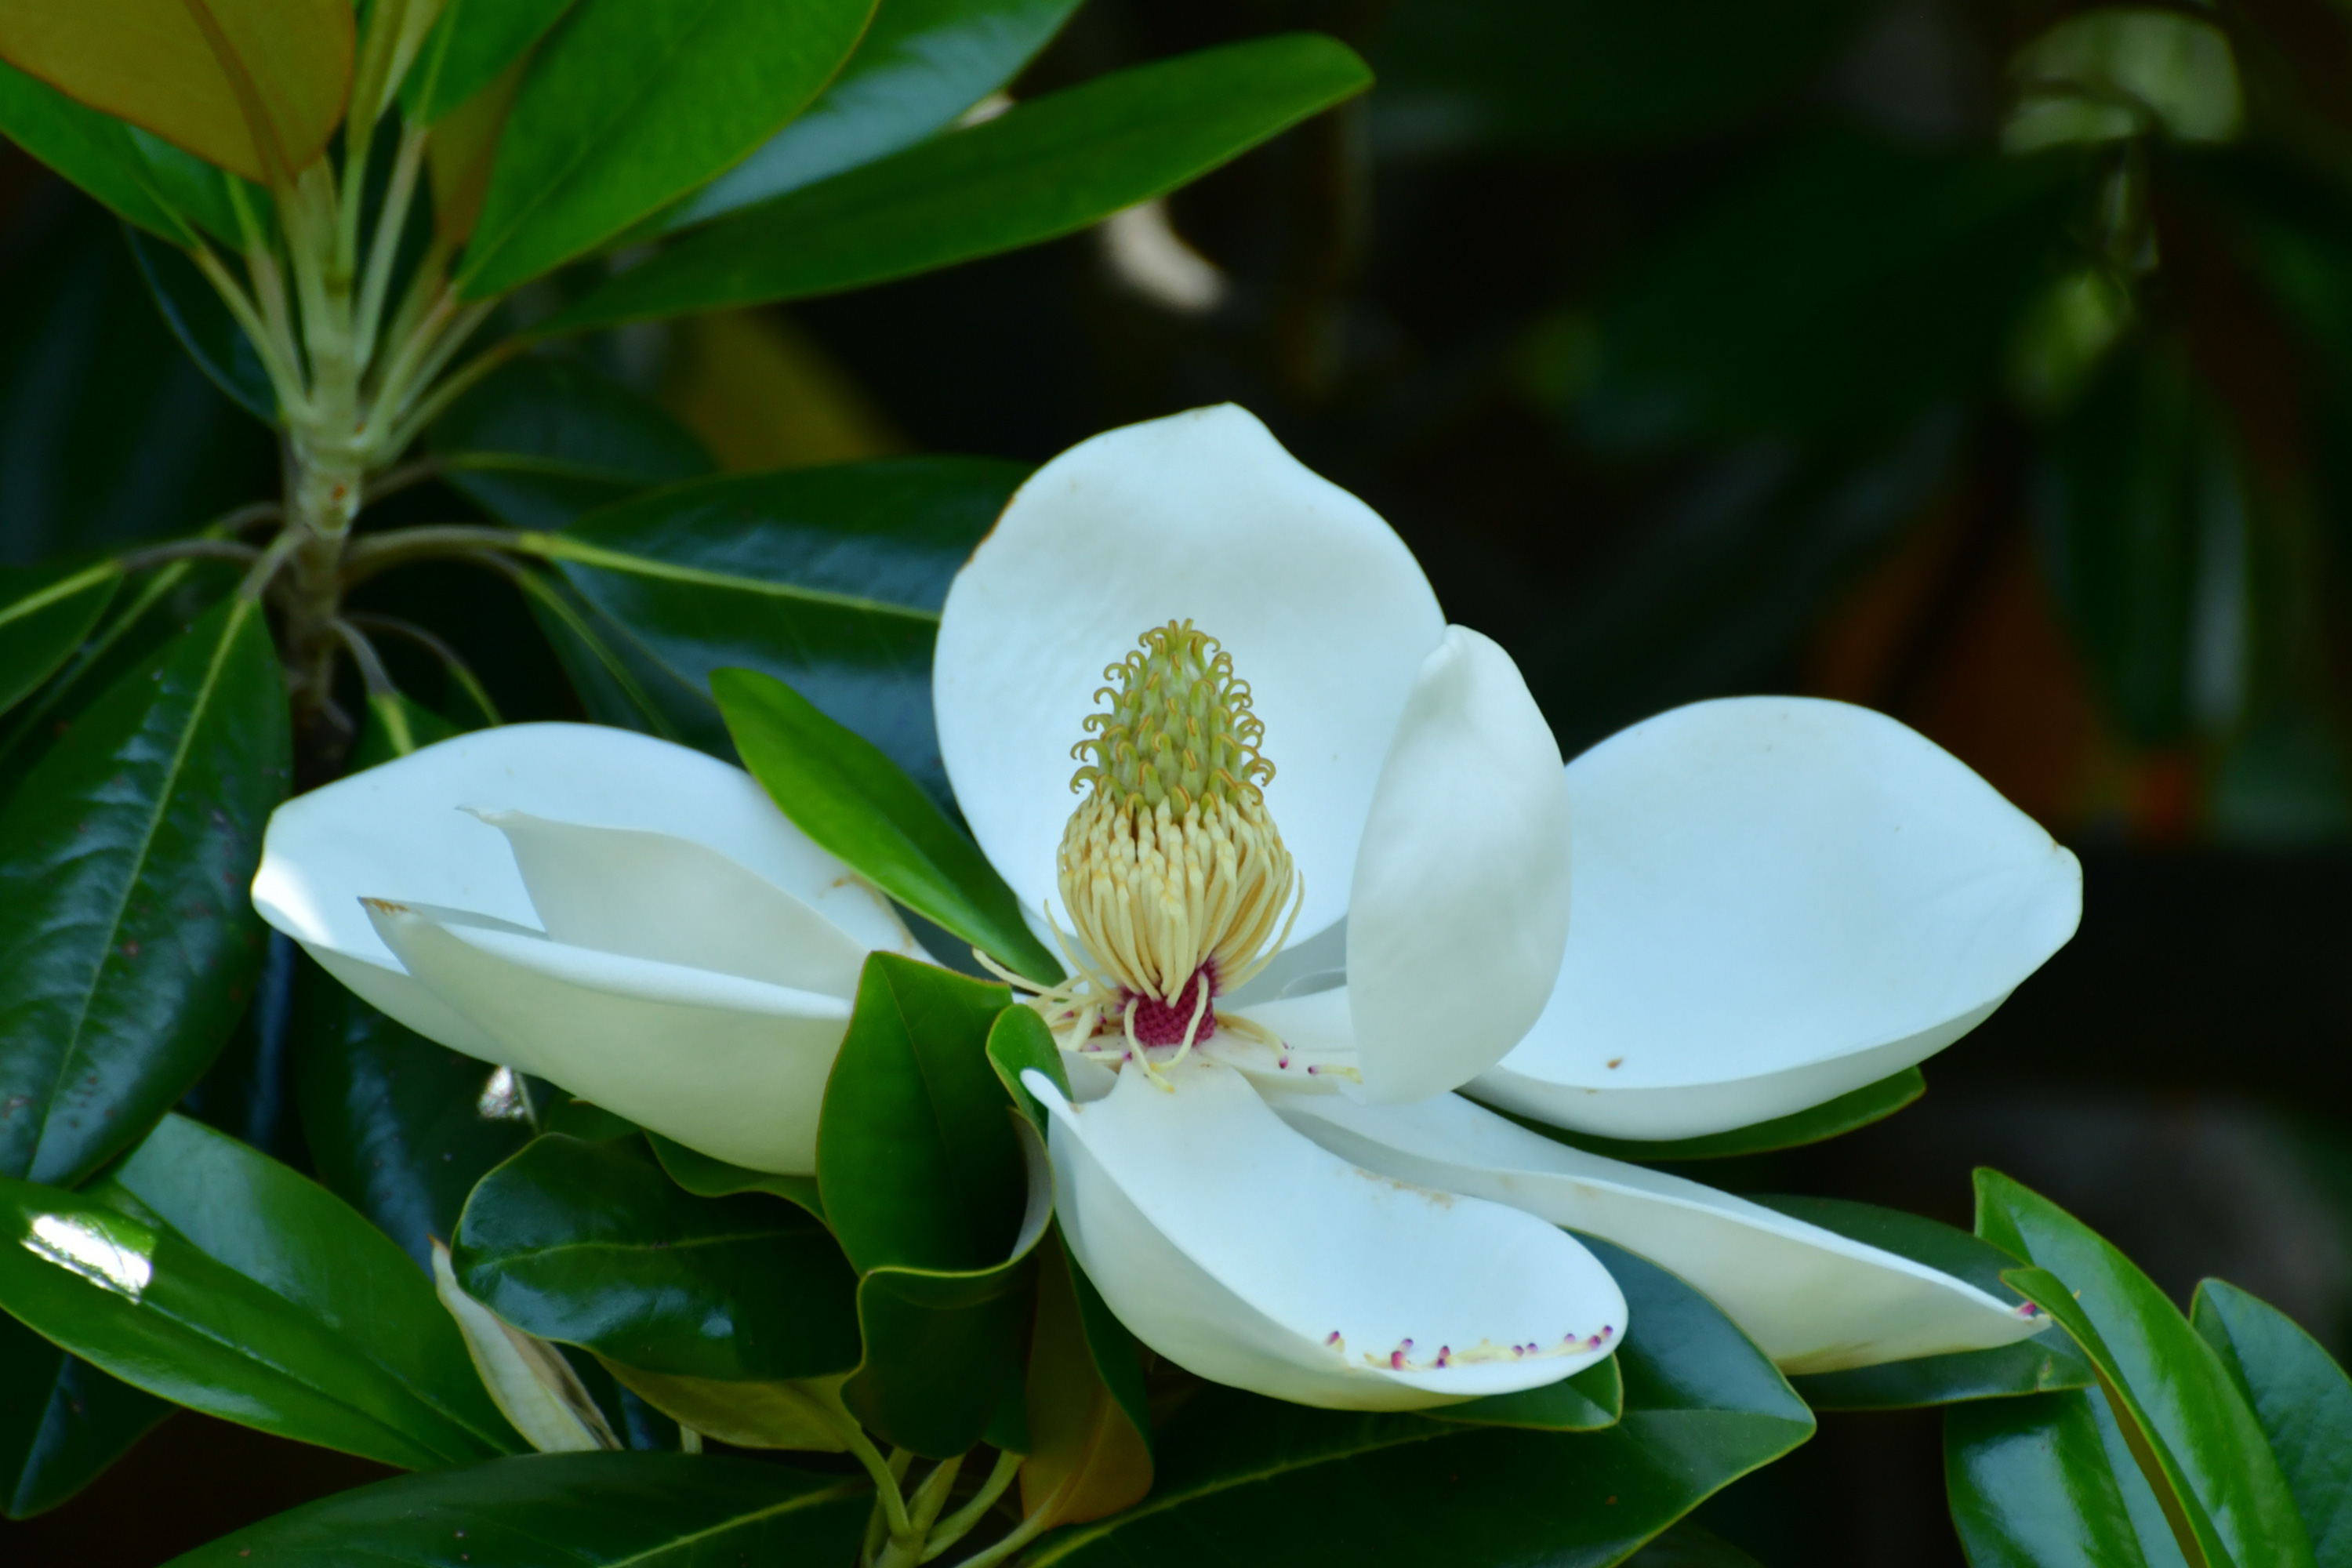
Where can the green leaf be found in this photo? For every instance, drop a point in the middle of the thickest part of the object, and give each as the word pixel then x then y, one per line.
pixel 1088 1416
pixel 472 43
pixel 94 150
pixel 395 728
pixel 2047 1481
pixel 592 1245
pixel 631 104
pixel 128 947
pixel 399 1127
pixel 202 191
pixel 2301 1400
pixel 788 1413
pixel 920 65
pixel 44 614
pixel 706 1177
pixel 204 326
pixel 1018 1042
pixel 1245 1479
pixel 2044 1362
pixel 1689 1546
pixel 829 579
pixel 62 1421
pixel 594 1511
pixel 1592 1399
pixel 266 1332
pixel 1830 1119
pixel 2197 1439
pixel 1047 168
pixel 844 793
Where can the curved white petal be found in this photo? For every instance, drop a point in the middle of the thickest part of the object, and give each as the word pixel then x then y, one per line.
pixel 1244 1254
pixel 1460 909
pixel 733 1066
pixel 1200 517
pixel 1811 1299
pixel 1777 899
pixel 403 832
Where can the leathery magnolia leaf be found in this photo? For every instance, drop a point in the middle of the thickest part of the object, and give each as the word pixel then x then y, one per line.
pixel 1045 169
pixel 592 1245
pixel 1592 1399
pixel 2195 1437
pixel 2047 1362
pixel 2047 1481
pixel 44 614
pixel 845 793
pixel 471 45
pixel 94 151
pixel 939 1194
pixel 62 1421
pixel 829 579
pixel 920 65
pixel 1018 1042
pixel 1689 1546
pixel 1089 1427
pixel 594 1511
pixel 1253 1479
pixel 204 326
pixel 1830 1119
pixel 254 86
pixel 2301 1400
pixel 128 947
pixel 632 104
pixel 555 417
pixel 790 1412
pixel 706 1177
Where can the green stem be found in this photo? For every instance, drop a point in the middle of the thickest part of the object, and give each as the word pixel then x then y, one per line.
pixel 385 249
pixel 886 1480
pixel 957 1525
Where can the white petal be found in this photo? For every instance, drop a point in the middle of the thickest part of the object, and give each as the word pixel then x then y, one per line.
pixel 1811 1299
pixel 1200 517
pixel 1460 909
pixel 531 1384
pixel 1244 1254
pixel 402 832
pixel 1777 900
pixel 733 1066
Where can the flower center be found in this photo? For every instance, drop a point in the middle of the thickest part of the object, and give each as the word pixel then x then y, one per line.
pixel 1172 870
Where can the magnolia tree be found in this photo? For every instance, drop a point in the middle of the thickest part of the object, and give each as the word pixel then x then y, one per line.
pixel 1067 1015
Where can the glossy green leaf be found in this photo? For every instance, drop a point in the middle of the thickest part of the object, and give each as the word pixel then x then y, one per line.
pixel 472 41
pixel 631 104
pixel 618 683
pixel 44 614
pixel 2048 1361
pixel 576 1118
pixel 847 795
pixel 2301 1400
pixel 706 1177
pixel 596 1510
pixel 128 947
pixel 1089 1416
pixel 922 64
pixel 1254 1479
pixel 786 1413
pixel 1019 1042
pixel 829 579
pixel 201 191
pixel 395 727
pixel 592 1245
pixel 1689 1546
pixel 2046 1481
pixel 62 1421
pixel 943 1350
pixel 1047 168
pixel 94 151
pixel 1830 1119
pixel 1592 1399
pixel 99 1274
pixel 399 1127
pixel 2200 1443
pixel 204 326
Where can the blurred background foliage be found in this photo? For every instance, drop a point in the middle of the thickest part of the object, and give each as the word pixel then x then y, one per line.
pixel 1987 362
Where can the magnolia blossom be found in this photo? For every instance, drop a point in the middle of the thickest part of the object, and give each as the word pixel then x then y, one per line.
pixel 1320 866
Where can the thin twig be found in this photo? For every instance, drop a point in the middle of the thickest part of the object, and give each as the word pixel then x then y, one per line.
pixel 371 663
pixel 293 403
pixel 391 220
pixel 188 550
pixel 394 401
pixel 451 660
pixel 281 549
pixel 391 481
pixel 253 514
pixel 437 402
pixel 954 1528
pixel 370 554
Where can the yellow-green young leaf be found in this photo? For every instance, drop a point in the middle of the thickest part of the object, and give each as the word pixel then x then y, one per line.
pixel 804 1412
pixel 254 86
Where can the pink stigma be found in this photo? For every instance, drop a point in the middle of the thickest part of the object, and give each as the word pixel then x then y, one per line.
pixel 1159 1022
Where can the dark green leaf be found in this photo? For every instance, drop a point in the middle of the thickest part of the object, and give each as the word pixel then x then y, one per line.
pixel 1045 169
pixel 1088 1412
pixel 592 1511
pixel 592 1245
pixel 829 579
pixel 631 104
pixel 1830 1119
pixel 204 326
pixel 128 947
pixel 706 1177
pixel 1017 1042
pixel 920 65
pixel 2046 1481
pixel 943 1352
pixel 62 1421
pixel 1590 1400
pixel 44 614
pixel 1245 1479
pixel 94 150
pixel 1689 1546
pixel 844 793
pixel 2301 1400
pixel 618 683
pixel 471 42
pixel 2199 1442
pixel 202 191
pixel 576 1118
pixel 396 727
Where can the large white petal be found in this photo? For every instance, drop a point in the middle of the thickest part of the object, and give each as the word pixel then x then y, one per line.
pixel 1811 1299
pixel 1200 517
pixel 733 1066
pixel 1460 909
pixel 1244 1254
pixel 403 832
pixel 1777 899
